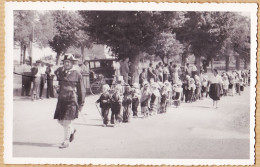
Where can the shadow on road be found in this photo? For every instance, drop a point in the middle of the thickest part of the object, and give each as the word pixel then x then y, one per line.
pixel 35 144
pixel 87 124
pixel 200 106
pixel 28 98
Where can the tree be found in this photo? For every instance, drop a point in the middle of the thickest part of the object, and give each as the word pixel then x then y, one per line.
pixel 166 46
pixel 127 33
pixel 65 36
pixel 241 40
pixel 204 33
pixel 23 28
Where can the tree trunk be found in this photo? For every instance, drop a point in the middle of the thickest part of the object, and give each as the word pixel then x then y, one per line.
pixel 245 64
pixel 197 61
pixel 58 59
pixel 134 67
pixel 24 53
pixel 82 48
pixel 237 62
pixel 211 64
pixel 21 58
pixel 30 52
pixel 227 63
pixel 183 59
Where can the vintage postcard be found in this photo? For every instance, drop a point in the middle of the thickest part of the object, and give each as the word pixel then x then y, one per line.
pixel 130 83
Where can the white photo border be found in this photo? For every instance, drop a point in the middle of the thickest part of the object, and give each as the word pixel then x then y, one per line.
pixel 118 6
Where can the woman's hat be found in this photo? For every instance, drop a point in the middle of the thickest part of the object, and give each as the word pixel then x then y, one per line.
pixel 70 57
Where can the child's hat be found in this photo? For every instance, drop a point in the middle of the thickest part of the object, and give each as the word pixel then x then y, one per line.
pixel 166 83
pixel 179 83
pixel 155 85
pixel 160 84
pixel 135 85
pixel 106 87
pixel 146 83
pixel 192 80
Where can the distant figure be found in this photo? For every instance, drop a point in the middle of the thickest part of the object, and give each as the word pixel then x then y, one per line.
pixel 124 69
pixel 150 73
pixel 194 70
pixel 116 66
pixel 204 66
pixel 36 80
pixel 41 71
pixel 26 79
pixel 174 74
pixel 50 76
pixel 142 77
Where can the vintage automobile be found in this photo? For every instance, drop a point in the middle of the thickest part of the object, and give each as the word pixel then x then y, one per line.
pixel 101 72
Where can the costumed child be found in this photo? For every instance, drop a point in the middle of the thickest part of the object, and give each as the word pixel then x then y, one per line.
pixel 105 104
pixel 225 85
pixel 163 102
pixel 204 85
pixel 237 82
pixel 185 86
pixel 242 84
pixel 231 87
pixel 127 101
pixel 178 94
pixel 169 92
pixel 135 99
pixel 198 87
pixel 191 90
pixel 145 99
pixel 155 98
pixel 116 105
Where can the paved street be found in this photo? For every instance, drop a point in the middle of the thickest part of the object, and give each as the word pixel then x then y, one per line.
pixel 195 130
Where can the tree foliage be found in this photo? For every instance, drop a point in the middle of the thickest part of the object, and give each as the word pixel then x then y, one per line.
pixel 23 28
pixel 65 35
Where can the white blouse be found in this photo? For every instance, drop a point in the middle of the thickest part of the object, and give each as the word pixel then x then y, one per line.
pixel 216 79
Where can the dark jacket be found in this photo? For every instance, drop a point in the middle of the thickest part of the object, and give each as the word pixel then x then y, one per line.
pixel 105 101
pixel 71 96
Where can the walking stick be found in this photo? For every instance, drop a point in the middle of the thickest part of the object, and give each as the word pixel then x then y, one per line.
pixel 99 112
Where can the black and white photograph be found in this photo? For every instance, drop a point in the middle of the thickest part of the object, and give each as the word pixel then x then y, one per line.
pixel 130 83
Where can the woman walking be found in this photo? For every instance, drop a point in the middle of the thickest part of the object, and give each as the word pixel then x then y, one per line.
pixel 215 88
pixel 70 100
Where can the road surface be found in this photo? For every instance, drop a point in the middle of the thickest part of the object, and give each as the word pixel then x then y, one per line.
pixel 194 131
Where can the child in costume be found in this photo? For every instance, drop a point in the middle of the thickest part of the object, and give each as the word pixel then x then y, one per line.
pixel 178 94
pixel 198 87
pixel 163 102
pixel 155 97
pixel 145 99
pixel 127 101
pixel 116 105
pixel 204 86
pixel 225 85
pixel 169 92
pixel 105 104
pixel 135 99
pixel 191 90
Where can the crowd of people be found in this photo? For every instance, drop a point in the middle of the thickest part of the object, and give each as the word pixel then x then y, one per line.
pixel 42 75
pixel 162 85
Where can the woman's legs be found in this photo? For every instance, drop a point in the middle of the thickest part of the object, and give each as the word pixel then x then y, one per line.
pixel 68 130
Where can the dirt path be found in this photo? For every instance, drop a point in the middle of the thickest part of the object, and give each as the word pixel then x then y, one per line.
pixel 191 131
